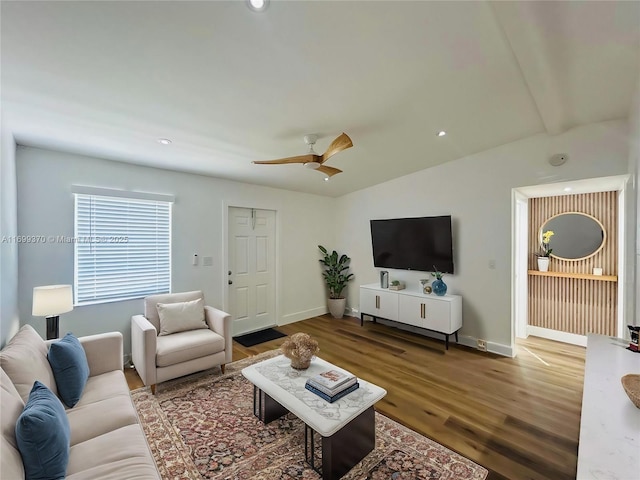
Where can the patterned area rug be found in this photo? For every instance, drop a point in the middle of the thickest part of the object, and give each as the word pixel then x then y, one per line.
pixel 203 427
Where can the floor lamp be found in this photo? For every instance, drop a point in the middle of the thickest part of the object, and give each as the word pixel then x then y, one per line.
pixel 50 301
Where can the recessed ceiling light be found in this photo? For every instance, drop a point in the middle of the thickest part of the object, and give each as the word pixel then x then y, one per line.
pixel 442 133
pixel 326 179
pixel 164 141
pixel 567 189
pixel 258 5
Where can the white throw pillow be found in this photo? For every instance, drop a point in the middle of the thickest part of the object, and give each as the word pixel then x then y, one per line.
pixel 182 316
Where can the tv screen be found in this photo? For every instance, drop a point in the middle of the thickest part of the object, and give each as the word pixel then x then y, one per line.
pixel 413 243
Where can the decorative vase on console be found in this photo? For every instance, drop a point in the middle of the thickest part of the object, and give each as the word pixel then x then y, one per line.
pixel 543 259
pixel 543 264
pixel 438 286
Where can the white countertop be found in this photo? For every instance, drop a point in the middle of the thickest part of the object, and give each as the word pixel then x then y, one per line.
pixel 609 447
pixel 285 385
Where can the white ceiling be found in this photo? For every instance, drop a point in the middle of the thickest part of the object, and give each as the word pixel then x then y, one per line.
pixel 228 85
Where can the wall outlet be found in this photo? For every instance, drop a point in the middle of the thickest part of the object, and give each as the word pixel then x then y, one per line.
pixel 482 345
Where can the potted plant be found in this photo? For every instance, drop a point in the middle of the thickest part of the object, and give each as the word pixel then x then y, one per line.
pixel 336 277
pixel 543 257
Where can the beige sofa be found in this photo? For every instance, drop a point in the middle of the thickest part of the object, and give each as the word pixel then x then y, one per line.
pixel 107 440
pixel 159 358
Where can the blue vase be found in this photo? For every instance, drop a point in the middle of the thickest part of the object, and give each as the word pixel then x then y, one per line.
pixel 439 287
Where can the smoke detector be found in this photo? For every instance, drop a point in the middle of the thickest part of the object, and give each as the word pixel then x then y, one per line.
pixel 558 159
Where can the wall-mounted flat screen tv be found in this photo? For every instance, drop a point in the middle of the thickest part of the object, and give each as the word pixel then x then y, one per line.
pixel 413 243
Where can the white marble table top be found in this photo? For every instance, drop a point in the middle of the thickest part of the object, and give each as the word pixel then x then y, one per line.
pixel 609 445
pixel 285 385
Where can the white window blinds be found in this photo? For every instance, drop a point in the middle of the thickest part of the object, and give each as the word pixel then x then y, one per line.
pixel 122 248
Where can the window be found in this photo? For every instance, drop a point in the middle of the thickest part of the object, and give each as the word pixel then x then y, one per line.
pixel 122 245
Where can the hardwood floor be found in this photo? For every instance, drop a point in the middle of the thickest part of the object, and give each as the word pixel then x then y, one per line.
pixel 518 417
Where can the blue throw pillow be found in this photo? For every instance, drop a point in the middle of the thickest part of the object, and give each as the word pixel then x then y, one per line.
pixel 43 435
pixel 70 368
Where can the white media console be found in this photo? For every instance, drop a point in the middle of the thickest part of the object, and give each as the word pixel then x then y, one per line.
pixel 412 307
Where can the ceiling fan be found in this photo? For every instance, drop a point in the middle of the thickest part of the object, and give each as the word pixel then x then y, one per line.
pixel 312 159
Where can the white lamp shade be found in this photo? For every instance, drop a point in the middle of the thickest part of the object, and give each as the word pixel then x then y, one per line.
pixel 52 300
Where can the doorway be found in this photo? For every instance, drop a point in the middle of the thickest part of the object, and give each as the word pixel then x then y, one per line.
pixel 523 257
pixel 252 269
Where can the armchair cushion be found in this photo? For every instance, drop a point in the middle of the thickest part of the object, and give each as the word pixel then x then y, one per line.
pixel 185 346
pixel 70 368
pixel 181 316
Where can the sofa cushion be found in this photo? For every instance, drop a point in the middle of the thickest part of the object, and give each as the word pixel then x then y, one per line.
pixel 43 435
pixel 70 368
pixel 95 419
pixel 24 359
pixel 11 463
pixel 121 454
pixel 184 346
pixel 11 406
pixel 181 316
pixel 107 385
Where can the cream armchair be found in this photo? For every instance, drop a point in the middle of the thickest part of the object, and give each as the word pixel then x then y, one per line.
pixel 159 356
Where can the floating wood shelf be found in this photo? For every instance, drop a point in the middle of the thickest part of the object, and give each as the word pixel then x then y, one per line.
pixel 583 276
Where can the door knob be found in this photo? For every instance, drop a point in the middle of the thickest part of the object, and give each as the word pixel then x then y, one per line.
pixel 229 272
pixel 230 282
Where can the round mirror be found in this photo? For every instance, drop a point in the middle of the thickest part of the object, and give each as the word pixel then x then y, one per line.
pixel 576 235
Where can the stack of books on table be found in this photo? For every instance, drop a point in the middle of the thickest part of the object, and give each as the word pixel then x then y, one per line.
pixel 332 384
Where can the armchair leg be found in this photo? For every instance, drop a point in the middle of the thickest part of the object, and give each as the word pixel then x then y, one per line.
pixel 153 389
pixel 222 368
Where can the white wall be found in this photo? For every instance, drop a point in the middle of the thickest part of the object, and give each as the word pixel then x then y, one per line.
pixel 476 191
pixel 45 207
pixel 9 320
pixel 634 207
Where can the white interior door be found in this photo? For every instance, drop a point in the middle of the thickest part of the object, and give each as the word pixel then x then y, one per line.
pixel 252 269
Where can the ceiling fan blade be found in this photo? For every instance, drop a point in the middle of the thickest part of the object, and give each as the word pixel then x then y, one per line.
pixel 330 171
pixel 309 157
pixel 341 143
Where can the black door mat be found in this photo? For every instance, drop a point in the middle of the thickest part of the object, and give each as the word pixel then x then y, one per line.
pixel 251 339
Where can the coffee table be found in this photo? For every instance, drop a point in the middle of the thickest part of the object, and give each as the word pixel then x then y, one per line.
pixel 347 426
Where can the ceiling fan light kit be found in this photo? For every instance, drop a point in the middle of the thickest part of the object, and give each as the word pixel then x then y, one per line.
pixel 312 160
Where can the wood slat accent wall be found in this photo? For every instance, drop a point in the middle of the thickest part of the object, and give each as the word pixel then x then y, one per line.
pixel 574 305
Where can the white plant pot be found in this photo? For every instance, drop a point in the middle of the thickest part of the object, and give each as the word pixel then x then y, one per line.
pixel 337 307
pixel 543 264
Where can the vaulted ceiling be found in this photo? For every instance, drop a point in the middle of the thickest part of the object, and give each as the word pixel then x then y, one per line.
pixel 228 85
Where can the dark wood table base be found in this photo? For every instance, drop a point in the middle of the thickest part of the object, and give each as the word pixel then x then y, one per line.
pixel 340 452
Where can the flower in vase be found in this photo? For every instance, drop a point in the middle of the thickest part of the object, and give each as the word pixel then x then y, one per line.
pixel 546 238
pixel 436 273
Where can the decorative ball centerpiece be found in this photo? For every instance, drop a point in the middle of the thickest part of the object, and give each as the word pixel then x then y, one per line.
pixel 300 348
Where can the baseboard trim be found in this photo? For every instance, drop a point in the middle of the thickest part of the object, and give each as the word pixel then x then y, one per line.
pixel 558 336
pixel 492 347
pixel 467 341
pixel 297 316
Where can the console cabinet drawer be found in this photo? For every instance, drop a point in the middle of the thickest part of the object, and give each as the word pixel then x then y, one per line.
pixel 380 303
pixel 440 314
